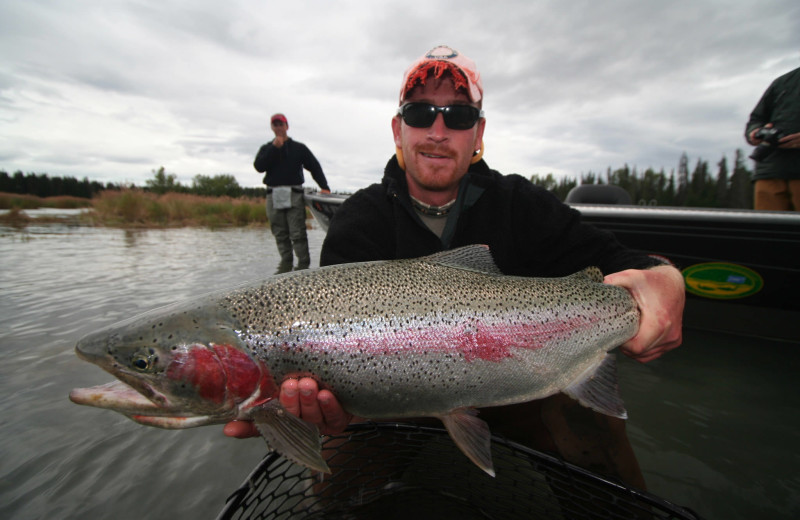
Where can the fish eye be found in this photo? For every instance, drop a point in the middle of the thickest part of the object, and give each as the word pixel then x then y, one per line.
pixel 143 362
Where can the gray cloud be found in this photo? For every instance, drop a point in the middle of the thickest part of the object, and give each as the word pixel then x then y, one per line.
pixel 115 90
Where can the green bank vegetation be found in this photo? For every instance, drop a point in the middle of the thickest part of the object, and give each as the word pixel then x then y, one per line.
pixel 212 202
pixel 137 208
pixel 131 208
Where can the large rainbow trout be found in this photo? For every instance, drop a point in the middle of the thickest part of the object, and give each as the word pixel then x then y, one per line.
pixel 436 336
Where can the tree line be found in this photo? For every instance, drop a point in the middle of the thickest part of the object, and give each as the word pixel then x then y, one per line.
pixel 43 185
pixel 728 188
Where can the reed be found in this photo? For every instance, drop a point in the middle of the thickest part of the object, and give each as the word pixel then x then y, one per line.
pixel 13 201
pixel 134 208
pixel 137 208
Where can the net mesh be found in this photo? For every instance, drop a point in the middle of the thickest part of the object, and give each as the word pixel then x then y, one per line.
pixel 392 470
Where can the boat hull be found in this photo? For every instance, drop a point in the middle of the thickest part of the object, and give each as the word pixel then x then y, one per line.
pixel 742 267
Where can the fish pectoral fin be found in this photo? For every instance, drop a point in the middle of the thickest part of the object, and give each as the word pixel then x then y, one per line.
pixel 292 437
pixel 599 390
pixel 472 436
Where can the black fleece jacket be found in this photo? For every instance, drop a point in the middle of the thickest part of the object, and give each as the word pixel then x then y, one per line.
pixel 284 165
pixel 528 230
pixel 780 105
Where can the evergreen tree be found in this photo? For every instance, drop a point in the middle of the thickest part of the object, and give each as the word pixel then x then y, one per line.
pixel 701 187
pixel 741 191
pixel 682 191
pixel 722 183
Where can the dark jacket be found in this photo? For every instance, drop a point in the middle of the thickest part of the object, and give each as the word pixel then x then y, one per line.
pixel 780 105
pixel 284 165
pixel 528 230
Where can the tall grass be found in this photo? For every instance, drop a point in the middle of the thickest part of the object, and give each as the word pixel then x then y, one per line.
pixel 136 208
pixel 14 201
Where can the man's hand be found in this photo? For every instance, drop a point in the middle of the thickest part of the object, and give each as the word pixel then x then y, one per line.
pixel 751 137
pixel 660 294
pixel 278 141
pixel 791 141
pixel 303 399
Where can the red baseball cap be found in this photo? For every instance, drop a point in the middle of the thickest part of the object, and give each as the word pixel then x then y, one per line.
pixel 440 59
pixel 278 117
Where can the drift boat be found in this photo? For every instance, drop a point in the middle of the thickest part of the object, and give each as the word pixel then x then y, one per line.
pixel 741 267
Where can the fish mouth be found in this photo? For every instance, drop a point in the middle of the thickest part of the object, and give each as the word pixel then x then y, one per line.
pixel 128 401
pixel 117 396
pixel 136 399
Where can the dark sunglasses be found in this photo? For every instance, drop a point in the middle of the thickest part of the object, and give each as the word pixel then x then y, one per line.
pixel 456 117
pixel 278 122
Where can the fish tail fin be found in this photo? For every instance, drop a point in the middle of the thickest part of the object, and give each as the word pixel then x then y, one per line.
pixel 472 436
pixel 290 436
pixel 600 390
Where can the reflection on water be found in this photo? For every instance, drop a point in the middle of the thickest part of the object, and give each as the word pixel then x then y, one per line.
pixel 715 424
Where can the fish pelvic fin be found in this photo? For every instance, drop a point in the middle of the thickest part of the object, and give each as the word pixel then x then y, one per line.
pixel 292 437
pixel 470 258
pixel 472 436
pixel 599 390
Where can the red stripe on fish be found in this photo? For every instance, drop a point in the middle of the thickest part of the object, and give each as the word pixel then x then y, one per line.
pixel 474 340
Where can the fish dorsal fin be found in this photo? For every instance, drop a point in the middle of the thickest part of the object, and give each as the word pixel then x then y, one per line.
pixel 290 436
pixel 476 257
pixel 599 390
pixel 593 274
pixel 472 436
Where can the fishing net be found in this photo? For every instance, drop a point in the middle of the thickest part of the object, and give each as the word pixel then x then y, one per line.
pixel 391 470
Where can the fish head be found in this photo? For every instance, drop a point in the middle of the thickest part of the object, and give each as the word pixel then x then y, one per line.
pixel 176 368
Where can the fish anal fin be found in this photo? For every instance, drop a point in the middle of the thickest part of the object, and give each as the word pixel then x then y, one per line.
pixel 599 390
pixel 290 436
pixel 472 436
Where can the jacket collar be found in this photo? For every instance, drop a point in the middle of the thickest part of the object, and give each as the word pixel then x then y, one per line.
pixel 472 186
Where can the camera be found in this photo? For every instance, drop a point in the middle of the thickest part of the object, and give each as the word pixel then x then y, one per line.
pixel 770 138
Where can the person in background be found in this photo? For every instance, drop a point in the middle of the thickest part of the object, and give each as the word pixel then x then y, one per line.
pixel 774 128
pixel 438 193
pixel 283 160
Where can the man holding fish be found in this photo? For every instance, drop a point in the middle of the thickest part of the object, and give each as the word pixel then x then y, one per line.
pixel 438 194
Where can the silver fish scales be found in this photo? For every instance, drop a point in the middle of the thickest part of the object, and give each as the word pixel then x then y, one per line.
pixel 431 337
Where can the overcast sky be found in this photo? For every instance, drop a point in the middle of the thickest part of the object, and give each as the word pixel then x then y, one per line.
pixel 112 90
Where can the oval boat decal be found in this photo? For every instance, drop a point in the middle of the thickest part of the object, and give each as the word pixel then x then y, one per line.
pixel 722 281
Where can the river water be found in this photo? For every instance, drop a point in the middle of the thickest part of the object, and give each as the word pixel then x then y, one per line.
pixel 715 424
